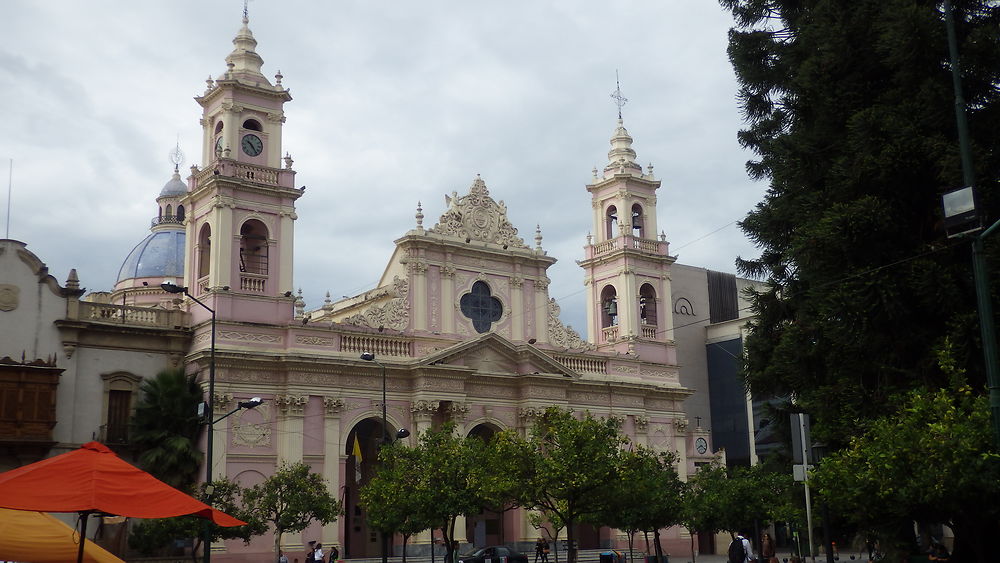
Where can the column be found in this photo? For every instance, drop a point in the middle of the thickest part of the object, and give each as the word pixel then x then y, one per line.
pixel 517 306
pixel 542 309
pixel 447 299
pixel 333 460
pixel 290 426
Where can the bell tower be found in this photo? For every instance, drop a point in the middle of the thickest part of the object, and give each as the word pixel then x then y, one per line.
pixel 627 268
pixel 241 204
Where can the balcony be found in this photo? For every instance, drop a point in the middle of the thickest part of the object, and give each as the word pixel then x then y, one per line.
pixel 28 404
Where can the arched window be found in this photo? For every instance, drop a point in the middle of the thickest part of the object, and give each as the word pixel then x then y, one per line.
pixel 609 306
pixel 253 247
pixel 637 226
pixel 218 127
pixel 647 304
pixel 611 222
pixel 169 212
pixel 180 212
pixel 253 125
pixel 204 250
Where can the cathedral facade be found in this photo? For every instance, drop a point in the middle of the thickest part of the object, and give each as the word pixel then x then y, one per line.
pixel 460 327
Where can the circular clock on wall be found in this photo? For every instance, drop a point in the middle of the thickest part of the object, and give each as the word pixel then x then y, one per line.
pixel 252 145
pixel 701 445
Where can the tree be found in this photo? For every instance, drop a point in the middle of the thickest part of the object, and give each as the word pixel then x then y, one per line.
pixel 392 497
pixel 445 480
pixel 166 428
pixel 646 496
pixel 567 465
pixel 290 499
pixel 927 462
pixel 849 109
pixel 154 535
pixel 717 499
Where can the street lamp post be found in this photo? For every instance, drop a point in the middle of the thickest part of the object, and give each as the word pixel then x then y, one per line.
pixel 401 433
pixel 170 287
pixel 961 218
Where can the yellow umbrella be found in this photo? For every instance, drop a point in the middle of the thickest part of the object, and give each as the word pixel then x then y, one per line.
pixel 37 537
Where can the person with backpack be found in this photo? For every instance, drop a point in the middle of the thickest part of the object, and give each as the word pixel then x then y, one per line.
pixel 740 550
pixel 334 554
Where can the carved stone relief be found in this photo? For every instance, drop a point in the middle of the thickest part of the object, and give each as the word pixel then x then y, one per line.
pixel 394 314
pixel 561 335
pixel 477 216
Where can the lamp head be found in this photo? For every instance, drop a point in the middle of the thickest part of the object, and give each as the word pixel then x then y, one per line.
pixel 251 403
pixel 169 286
pixel 402 433
pixel 368 356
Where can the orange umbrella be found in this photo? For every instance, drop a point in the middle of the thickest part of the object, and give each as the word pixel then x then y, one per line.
pixel 94 479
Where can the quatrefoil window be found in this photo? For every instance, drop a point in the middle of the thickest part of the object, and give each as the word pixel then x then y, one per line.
pixel 481 307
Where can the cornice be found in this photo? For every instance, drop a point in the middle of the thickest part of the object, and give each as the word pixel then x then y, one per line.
pixel 225 86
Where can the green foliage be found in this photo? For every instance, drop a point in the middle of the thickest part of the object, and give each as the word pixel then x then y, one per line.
pixel 290 500
pixel 166 428
pixel 932 461
pixel 443 477
pixel 568 467
pixel 850 112
pixel 717 500
pixel 155 535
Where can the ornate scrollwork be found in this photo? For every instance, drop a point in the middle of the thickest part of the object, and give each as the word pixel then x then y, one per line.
pixel 529 414
pixel 562 335
pixel 477 216
pixel 458 411
pixel 333 405
pixel 681 424
pixel 291 404
pixel 394 314
pixel 641 422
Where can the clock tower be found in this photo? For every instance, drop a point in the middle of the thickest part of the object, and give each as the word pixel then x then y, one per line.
pixel 241 203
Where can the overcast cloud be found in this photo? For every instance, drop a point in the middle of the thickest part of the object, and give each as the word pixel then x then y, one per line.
pixel 394 103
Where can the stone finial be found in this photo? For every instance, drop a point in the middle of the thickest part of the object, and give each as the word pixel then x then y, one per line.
pixel 73 281
pixel 226 152
pixel 277 78
pixel 538 237
pixel 327 304
pixel 288 161
pixel 300 305
pixel 649 170
pixel 663 236
pixel 590 239
pixel 209 85
pixel 596 177
pixel 420 217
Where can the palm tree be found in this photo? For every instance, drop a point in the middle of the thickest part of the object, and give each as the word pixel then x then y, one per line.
pixel 166 427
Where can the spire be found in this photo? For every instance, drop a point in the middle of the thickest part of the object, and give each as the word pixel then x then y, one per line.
pixel 621 157
pixel 244 62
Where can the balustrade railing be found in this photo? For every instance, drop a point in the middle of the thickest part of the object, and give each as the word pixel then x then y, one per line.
pixel 583 364
pixel 378 345
pixel 610 333
pixel 257 174
pixel 649 331
pixel 250 282
pixel 141 316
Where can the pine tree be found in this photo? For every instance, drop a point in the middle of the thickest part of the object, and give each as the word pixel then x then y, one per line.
pixel 850 111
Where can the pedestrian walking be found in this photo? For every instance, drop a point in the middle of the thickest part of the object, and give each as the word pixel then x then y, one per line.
pixel 767 549
pixel 311 552
pixel 282 558
pixel 318 554
pixel 334 554
pixel 740 550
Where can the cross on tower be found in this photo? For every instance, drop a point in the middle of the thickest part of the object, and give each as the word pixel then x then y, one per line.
pixel 617 96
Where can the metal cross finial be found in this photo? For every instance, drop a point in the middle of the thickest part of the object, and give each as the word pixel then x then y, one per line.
pixel 617 96
pixel 246 11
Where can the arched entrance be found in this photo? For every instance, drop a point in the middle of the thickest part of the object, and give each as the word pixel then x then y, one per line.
pixel 361 448
pixel 487 527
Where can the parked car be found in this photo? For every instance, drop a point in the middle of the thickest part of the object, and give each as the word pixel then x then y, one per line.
pixel 494 554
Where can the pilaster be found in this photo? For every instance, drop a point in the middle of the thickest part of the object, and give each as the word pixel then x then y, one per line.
pixel 334 459
pixel 291 428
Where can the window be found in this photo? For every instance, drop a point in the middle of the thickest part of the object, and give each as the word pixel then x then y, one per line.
pixel 647 304
pixel 180 213
pixel 481 307
pixel 610 222
pixel 253 125
pixel 204 250
pixel 609 306
pixel 120 388
pixel 253 247
pixel 637 227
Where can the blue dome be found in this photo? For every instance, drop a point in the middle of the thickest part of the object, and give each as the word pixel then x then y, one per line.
pixel 161 255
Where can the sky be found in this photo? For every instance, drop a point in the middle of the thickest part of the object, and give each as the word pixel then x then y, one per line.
pixel 393 103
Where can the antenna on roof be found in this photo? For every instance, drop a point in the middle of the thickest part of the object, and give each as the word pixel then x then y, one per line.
pixel 617 95
pixel 10 185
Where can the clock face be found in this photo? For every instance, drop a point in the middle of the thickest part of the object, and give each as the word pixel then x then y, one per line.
pixel 701 445
pixel 218 146
pixel 252 145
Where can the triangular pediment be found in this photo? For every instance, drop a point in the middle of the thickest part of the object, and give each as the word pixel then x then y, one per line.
pixel 494 354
